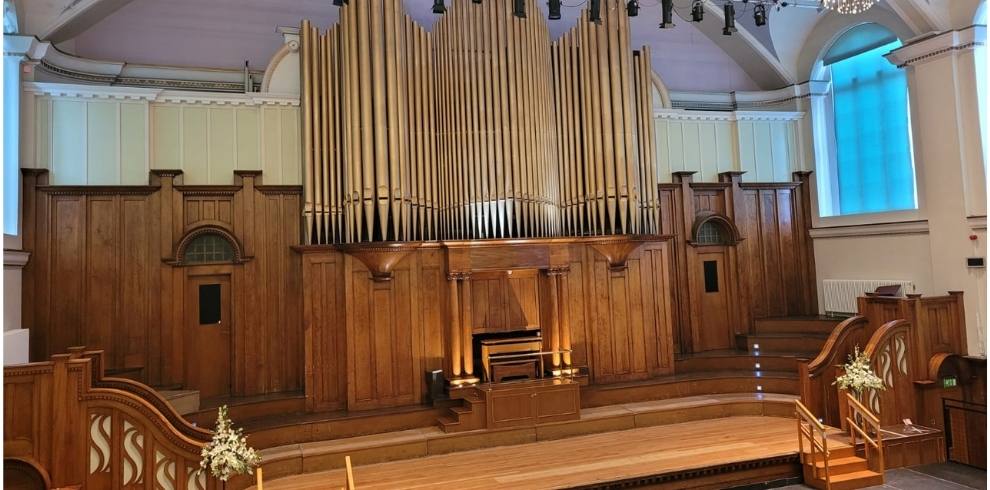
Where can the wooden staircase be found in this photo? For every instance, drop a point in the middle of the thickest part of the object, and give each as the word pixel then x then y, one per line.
pixel 802 335
pixel 832 464
pixel 469 415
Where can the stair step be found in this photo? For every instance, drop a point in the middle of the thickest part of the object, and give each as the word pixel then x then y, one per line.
pixel 841 466
pixel 808 343
pixel 856 475
pixel 183 401
pixel 797 325
pixel 461 410
pixel 447 421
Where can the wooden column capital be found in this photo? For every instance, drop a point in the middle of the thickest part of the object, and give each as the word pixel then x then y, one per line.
pixel 458 276
pixel 561 270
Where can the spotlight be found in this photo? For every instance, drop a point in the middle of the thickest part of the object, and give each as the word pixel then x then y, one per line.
pixel 554 6
pixel 519 8
pixel 475 1
pixel 697 12
pixel 632 8
pixel 730 19
pixel 339 3
pixel 760 15
pixel 438 7
pixel 667 19
pixel 595 11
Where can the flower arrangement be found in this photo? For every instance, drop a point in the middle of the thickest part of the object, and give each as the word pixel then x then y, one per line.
pixel 859 376
pixel 228 453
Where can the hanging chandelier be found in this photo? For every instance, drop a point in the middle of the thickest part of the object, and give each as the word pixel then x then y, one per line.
pixel 849 6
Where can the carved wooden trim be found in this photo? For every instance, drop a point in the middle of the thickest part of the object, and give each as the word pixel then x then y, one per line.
pixel 836 340
pixel 178 257
pixel 617 249
pixel 706 216
pixel 379 257
pixel 98 190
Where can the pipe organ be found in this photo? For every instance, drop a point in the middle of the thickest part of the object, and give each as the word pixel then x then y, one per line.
pixel 482 128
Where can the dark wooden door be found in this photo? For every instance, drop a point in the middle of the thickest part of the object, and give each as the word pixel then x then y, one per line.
pixel 208 335
pixel 714 327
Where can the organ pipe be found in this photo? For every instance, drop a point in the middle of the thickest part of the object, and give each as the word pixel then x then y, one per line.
pixel 482 128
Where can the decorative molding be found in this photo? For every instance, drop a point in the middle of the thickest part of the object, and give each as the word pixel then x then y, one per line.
pixel 706 216
pixel 156 95
pixel 927 48
pixel 731 101
pixel 379 257
pixel 618 249
pixel 15 258
pixel 694 115
pixel 178 257
pixel 98 190
pixel 892 229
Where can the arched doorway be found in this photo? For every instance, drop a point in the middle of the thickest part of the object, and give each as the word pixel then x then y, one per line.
pixel 713 237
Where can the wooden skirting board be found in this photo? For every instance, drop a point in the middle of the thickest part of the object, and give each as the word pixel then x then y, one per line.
pixel 716 453
pixel 294 459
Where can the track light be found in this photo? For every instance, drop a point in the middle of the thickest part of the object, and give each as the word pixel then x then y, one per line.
pixel 667 15
pixel 632 8
pixel 438 7
pixel 697 12
pixel 730 19
pixel 519 8
pixel 554 6
pixel 760 15
pixel 595 11
pixel 475 1
pixel 339 3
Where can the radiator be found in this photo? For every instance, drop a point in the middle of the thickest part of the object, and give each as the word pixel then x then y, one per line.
pixel 840 294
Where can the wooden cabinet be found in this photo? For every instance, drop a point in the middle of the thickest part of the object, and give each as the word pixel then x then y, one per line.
pixel 526 404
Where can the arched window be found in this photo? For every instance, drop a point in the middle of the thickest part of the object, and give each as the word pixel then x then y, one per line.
pixel 208 248
pixel 873 168
pixel 712 233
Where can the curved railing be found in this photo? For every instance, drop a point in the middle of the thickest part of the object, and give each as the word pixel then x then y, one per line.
pixel 890 350
pixel 816 376
pixel 81 429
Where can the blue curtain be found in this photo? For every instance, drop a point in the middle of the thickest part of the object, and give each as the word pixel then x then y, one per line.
pixel 873 142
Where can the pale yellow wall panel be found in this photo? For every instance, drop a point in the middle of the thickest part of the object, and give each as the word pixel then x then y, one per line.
pixel 195 145
pixel 690 151
pixel 662 155
pixel 271 144
pixel 707 151
pixel 166 138
pixel 68 142
pixel 133 143
pixel 43 132
pixel 675 142
pixel 248 142
pixel 747 151
pixel 727 148
pixel 763 143
pixel 780 147
pixel 221 146
pixel 102 143
pixel 291 163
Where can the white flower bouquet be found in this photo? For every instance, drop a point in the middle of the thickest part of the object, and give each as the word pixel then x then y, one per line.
pixel 859 376
pixel 228 453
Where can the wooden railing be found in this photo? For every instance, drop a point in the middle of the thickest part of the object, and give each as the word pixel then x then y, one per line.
pixel 890 349
pixel 866 425
pixel 77 428
pixel 816 376
pixel 808 428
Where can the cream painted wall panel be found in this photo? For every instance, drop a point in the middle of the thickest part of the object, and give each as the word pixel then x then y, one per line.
pixel 690 143
pixel 133 143
pixel 221 145
pixel 763 146
pixel 873 259
pixel 291 162
pixel 166 139
pixel 271 143
pixel 662 153
pixel 747 150
pixel 675 149
pixel 248 146
pixel 102 143
pixel 43 132
pixel 195 162
pixel 707 150
pixel 726 146
pixel 68 142
pixel 780 147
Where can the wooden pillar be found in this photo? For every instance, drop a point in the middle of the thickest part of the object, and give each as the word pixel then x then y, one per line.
pixel 552 276
pixel 561 324
pixel 467 339
pixel 461 348
pixel 455 326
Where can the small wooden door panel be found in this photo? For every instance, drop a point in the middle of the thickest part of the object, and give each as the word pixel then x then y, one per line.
pixel 714 324
pixel 208 335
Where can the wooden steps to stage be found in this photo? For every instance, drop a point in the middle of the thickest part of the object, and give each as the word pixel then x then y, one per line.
pixel 847 471
pixel 804 336
pixel 715 453
pixel 310 457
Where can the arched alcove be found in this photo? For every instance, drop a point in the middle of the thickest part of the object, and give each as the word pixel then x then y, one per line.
pixel 713 229
pixel 208 245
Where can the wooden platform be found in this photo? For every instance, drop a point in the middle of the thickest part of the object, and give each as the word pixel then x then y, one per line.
pixel 742 449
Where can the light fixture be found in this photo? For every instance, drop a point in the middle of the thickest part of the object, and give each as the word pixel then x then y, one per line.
pixel 339 3
pixel 667 14
pixel 595 11
pixel 848 6
pixel 760 15
pixel 730 19
pixel 632 8
pixel 554 7
pixel 475 1
pixel 697 12
pixel 519 8
pixel 438 7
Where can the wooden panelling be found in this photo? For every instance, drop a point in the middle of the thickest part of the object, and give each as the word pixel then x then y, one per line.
pixel 97 276
pixel 502 301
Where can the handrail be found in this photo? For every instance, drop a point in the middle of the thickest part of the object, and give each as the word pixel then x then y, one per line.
pixel 813 425
pixel 860 417
pixel 830 350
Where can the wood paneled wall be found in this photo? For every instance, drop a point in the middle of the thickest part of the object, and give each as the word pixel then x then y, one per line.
pixel 100 275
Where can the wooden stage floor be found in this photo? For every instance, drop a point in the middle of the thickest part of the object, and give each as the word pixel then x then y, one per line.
pixel 583 460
